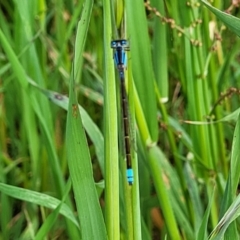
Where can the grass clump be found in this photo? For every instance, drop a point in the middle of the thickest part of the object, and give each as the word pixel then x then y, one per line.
pixel 63 173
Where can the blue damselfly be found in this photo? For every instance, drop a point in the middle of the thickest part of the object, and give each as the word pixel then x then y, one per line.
pixel 120 57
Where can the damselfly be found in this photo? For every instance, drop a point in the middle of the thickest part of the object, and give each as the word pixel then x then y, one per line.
pixel 120 47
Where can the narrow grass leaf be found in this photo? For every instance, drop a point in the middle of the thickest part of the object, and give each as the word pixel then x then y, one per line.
pixel 37 198
pixel 233 178
pixel 110 130
pixel 231 187
pixel 82 30
pixel 141 120
pixel 48 223
pixel 91 128
pixel 176 196
pixel 227 197
pixel 194 196
pixel 235 159
pixel 19 71
pixel 231 214
pixel 142 62
pixel 155 156
pixel 51 219
pixel 225 203
pixel 79 162
pixel 145 231
pixel 202 232
pixel 92 95
pixel 233 23
pixel 160 57
pixel 233 116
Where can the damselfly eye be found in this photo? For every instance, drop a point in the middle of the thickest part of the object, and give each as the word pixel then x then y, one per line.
pixel 113 44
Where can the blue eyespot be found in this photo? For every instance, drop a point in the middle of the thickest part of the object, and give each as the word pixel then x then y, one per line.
pixel 121 43
pixel 113 44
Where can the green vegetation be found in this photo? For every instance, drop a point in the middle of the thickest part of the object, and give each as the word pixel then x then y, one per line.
pixel 62 171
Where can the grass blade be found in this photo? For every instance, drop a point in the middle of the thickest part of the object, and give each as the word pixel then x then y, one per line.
pixel 37 198
pixel 230 21
pixel 110 131
pixel 154 156
pixel 235 159
pixel 51 219
pixel 202 233
pixel 90 127
pixel 79 162
pixel 141 62
pixel 231 214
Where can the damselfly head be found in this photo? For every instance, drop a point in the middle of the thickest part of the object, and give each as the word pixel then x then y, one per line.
pixel 121 43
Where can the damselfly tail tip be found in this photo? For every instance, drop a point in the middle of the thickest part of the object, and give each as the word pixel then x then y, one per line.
pixel 130 176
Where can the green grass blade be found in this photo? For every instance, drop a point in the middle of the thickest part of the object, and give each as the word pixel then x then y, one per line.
pixel 230 190
pixel 196 207
pixel 160 47
pixel 19 71
pixel 81 37
pixel 90 127
pixel 37 198
pixel 202 232
pixel 51 219
pixel 110 131
pixel 142 62
pixel 230 21
pixel 233 178
pixel 79 162
pixel 48 224
pixel 231 214
pixel 176 196
pixel 235 159
pixel 135 196
pixel 155 155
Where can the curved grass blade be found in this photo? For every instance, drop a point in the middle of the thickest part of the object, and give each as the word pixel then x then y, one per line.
pixel 91 128
pixel 233 23
pixel 48 223
pixel 230 117
pixel 232 213
pixel 92 95
pixel 231 187
pixel 40 199
pixel 51 219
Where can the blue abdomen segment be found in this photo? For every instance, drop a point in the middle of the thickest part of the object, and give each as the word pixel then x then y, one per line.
pixel 120 58
pixel 130 176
